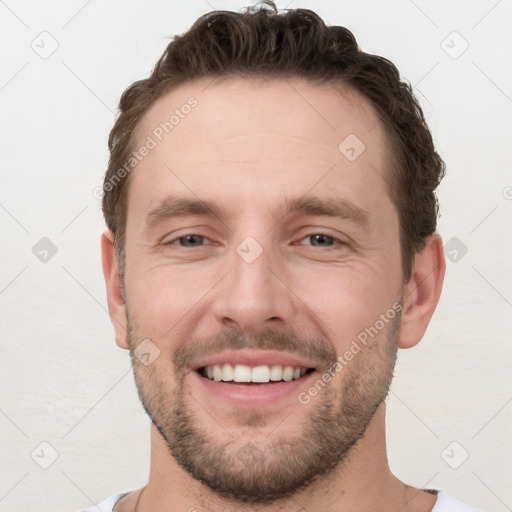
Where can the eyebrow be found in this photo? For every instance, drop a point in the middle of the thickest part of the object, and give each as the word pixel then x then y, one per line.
pixel 178 207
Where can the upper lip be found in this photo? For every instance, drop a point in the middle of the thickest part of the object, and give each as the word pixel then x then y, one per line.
pixel 254 357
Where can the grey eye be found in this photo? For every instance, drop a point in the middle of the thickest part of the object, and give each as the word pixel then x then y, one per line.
pixel 321 240
pixel 191 240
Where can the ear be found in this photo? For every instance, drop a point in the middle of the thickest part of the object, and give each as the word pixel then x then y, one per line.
pixel 116 305
pixel 422 292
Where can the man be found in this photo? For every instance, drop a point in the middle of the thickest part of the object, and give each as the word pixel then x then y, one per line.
pixel 271 243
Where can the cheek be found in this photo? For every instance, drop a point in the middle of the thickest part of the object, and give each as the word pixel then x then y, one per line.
pixel 161 297
pixel 347 300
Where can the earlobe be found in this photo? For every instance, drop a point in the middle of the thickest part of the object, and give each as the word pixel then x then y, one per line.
pixel 116 304
pixel 422 292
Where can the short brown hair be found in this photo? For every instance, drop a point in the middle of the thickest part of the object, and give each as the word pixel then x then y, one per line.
pixel 263 42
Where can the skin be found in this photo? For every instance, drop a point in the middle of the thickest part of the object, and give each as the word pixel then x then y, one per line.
pixel 247 145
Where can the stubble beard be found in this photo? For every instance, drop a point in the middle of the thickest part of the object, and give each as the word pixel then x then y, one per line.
pixel 263 470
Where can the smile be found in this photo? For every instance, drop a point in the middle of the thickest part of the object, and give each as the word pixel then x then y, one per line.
pixel 262 374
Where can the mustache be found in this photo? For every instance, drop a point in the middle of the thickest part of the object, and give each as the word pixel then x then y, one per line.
pixel 269 339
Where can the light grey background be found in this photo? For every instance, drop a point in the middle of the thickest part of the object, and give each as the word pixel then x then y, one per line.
pixel 63 380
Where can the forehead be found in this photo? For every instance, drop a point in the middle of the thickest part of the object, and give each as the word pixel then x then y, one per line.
pixel 245 135
pixel 294 107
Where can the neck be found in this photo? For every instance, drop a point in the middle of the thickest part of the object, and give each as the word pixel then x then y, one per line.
pixel 363 482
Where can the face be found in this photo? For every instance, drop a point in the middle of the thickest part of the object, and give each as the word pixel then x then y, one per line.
pixel 262 246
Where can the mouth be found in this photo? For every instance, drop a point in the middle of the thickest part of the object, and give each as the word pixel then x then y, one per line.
pixel 253 375
pixel 252 378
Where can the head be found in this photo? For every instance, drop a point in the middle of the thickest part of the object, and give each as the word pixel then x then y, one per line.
pixel 263 131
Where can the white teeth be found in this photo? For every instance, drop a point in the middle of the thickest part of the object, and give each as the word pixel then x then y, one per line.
pixel 288 373
pixel 227 372
pixel 276 373
pixel 259 374
pixel 242 373
pixel 217 372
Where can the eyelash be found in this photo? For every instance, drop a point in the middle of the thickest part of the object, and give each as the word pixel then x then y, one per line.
pixel 336 240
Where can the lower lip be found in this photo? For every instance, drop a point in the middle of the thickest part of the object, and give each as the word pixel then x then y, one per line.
pixel 242 395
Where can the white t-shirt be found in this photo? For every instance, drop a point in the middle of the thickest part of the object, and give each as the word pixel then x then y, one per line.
pixel 444 503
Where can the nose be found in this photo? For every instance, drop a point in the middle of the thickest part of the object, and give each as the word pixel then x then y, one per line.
pixel 253 295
